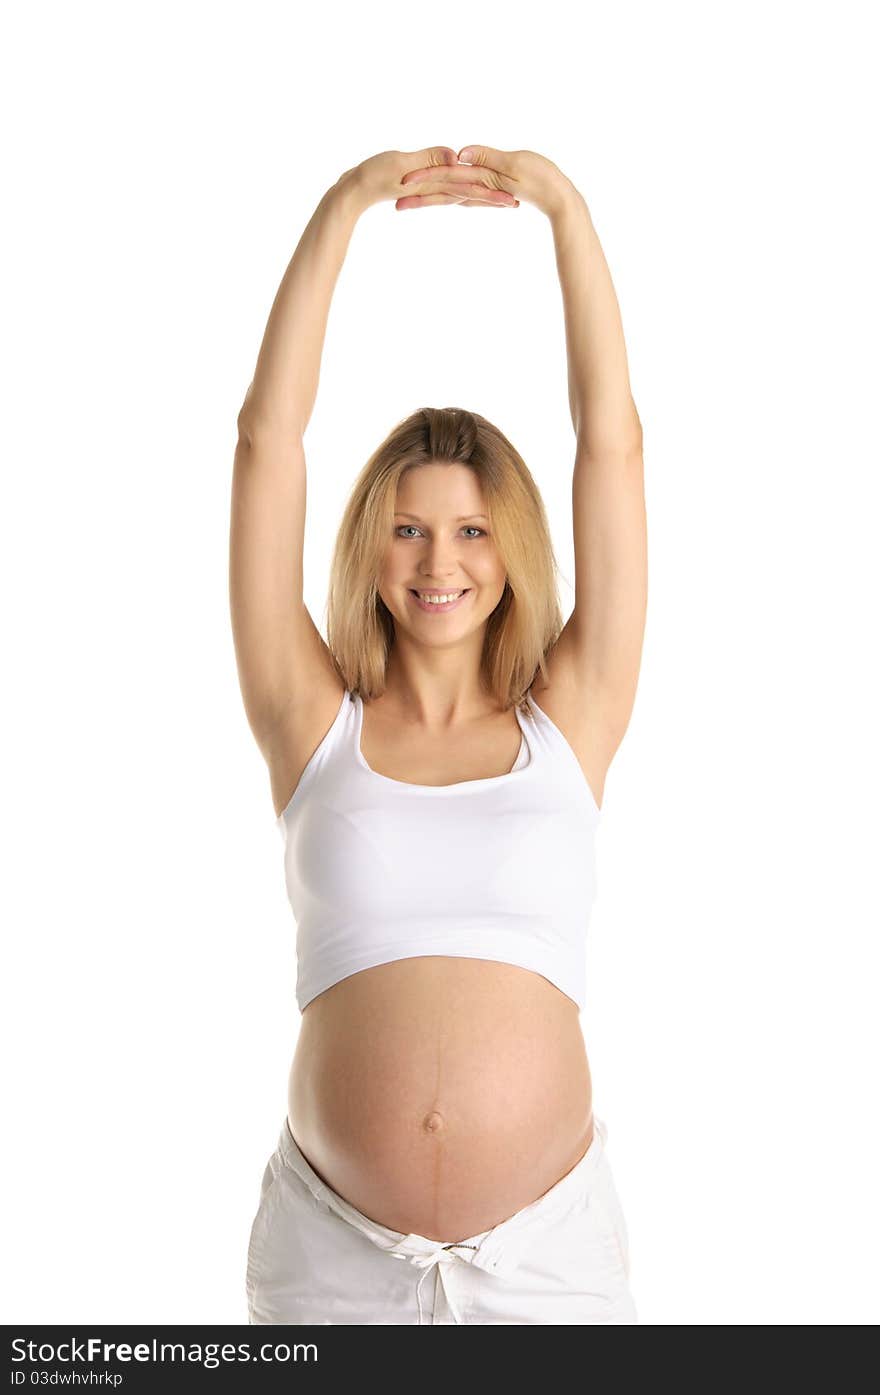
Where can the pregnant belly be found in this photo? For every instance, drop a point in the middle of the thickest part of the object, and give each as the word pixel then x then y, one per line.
pixel 441 1095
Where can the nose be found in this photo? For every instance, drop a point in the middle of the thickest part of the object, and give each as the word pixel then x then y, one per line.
pixel 439 562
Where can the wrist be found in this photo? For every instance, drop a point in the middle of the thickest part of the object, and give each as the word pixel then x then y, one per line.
pixel 348 194
pixel 566 203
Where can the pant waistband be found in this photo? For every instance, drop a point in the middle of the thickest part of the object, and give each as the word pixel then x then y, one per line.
pixel 497 1249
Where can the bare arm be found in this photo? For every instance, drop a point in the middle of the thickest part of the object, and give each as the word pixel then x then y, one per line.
pixel 602 408
pixel 285 384
pixel 599 651
pixel 281 657
pixel 593 667
pixel 285 669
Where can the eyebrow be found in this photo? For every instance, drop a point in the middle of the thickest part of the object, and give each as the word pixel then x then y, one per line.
pixel 463 518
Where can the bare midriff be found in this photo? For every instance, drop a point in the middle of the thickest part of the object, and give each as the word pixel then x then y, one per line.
pixel 441 1095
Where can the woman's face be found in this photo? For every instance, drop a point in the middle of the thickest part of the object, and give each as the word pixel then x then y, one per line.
pixel 441 543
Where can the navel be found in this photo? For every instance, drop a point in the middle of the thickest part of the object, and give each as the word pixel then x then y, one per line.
pixel 434 1122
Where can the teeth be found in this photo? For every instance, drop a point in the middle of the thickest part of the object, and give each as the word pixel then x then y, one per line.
pixel 434 599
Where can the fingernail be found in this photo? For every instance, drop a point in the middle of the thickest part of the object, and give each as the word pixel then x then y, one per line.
pixel 466 157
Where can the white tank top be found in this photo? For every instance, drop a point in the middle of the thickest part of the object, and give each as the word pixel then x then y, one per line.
pixel 502 869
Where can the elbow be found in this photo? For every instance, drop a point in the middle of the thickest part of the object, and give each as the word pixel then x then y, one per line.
pixel 245 429
pixel 620 440
pixel 243 419
pixel 256 426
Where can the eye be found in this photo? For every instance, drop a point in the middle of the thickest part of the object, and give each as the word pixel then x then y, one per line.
pixel 469 528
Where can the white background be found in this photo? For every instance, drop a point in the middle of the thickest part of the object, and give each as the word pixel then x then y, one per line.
pixel 162 162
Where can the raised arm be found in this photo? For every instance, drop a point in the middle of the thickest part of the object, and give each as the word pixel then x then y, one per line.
pixel 603 412
pixel 599 651
pixel 285 383
pixel 286 673
pixel 593 668
pixel 282 659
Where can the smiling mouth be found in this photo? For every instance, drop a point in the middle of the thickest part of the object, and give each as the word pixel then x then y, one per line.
pixel 456 597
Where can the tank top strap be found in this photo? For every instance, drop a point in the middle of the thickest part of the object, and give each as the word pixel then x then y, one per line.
pixel 557 746
pixel 337 733
pixel 525 751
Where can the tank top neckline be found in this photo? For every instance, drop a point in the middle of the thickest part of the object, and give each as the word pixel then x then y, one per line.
pixel 487 781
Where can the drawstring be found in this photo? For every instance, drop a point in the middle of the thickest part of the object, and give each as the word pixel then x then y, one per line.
pixel 441 1256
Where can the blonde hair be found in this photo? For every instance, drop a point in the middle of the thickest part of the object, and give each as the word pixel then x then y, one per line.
pixel 527 620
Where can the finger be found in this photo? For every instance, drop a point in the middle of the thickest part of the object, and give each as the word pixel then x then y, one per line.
pixel 506 202
pixel 501 164
pixel 432 157
pixel 465 188
pixel 479 156
pixel 445 196
pixel 422 200
pixel 483 179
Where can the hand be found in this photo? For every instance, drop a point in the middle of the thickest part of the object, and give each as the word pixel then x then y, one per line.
pixel 487 174
pixel 382 177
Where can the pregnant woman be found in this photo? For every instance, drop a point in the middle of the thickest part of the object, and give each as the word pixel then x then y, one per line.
pixel 437 769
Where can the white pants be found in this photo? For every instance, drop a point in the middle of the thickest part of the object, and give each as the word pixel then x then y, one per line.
pixel 315 1259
